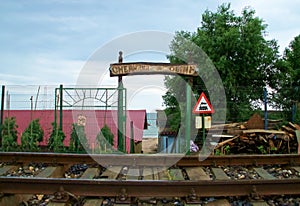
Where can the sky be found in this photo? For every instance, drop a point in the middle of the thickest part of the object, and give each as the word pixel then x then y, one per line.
pixel 48 42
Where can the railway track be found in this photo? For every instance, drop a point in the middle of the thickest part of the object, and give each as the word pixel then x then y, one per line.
pixel 127 177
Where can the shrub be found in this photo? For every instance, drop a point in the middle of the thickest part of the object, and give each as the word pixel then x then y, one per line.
pixel 78 140
pixel 32 135
pixel 56 140
pixel 105 138
pixel 9 134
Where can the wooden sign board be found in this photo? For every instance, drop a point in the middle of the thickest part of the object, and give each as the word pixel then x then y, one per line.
pixel 140 68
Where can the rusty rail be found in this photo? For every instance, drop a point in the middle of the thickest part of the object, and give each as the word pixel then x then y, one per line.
pixel 149 160
pixel 149 188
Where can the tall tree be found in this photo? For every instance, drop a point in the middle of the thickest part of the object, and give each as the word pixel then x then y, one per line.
pixel 292 56
pixel 243 57
pixel 288 84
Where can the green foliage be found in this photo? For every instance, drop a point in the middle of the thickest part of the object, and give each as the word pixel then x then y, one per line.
pixel 223 151
pixel 78 140
pixel 292 56
pixel 244 59
pixel 297 113
pixel 288 87
pixel 9 134
pixel 173 119
pixel 262 150
pixel 56 139
pixel 105 139
pixel 32 135
pixel 218 152
pixel 227 149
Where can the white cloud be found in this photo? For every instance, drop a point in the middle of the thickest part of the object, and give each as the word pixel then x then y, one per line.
pixel 46 70
pixel 48 42
pixel 281 16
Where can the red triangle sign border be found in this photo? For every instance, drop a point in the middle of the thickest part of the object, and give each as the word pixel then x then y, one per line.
pixel 196 111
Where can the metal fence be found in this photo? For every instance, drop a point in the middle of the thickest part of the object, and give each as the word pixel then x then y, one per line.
pixel 268 106
pixel 46 103
pixel 45 97
pixel 29 97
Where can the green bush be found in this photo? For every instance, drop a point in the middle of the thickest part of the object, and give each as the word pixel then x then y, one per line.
pixel 31 137
pixel 56 140
pixel 78 141
pixel 9 134
pixel 105 138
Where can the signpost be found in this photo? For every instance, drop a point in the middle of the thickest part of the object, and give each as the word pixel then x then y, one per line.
pixel 203 106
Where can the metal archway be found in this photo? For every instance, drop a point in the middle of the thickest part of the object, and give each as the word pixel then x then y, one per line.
pixel 121 69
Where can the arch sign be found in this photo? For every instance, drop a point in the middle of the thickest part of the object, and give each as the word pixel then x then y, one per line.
pixel 139 68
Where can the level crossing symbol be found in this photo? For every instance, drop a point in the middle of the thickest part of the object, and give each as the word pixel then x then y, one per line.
pixel 203 105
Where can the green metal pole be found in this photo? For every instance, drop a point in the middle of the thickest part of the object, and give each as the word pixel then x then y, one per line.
pixel 131 137
pixel 61 107
pixel 2 113
pixel 120 116
pixel 203 131
pixel 55 108
pixel 188 116
pixel 120 110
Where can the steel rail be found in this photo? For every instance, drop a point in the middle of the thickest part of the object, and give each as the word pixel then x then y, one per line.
pixel 149 160
pixel 149 188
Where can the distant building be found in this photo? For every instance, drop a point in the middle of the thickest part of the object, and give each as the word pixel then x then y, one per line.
pixel 166 135
pixel 152 130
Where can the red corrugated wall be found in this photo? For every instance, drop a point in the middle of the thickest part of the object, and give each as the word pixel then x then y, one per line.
pixel 95 120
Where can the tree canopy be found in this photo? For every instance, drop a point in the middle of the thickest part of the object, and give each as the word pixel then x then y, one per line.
pixel 292 60
pixel 237 46
pixel 287 89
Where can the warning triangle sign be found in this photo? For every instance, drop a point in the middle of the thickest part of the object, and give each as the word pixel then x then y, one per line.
pixel 203 106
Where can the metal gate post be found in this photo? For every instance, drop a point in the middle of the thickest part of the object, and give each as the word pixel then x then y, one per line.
pixel 188 116
pixel 61 107
pixel 293 112
pixel 120 110
pixel 2 113
pixel 266 108
pixel 132 145
pixel 120 116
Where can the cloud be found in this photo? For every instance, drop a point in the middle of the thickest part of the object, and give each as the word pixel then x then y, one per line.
pixel 48 42
pixel 44 70
pixel 281 17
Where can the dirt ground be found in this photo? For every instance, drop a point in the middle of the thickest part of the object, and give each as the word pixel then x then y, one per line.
pixel 149 145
